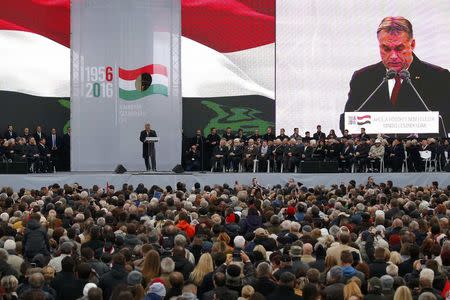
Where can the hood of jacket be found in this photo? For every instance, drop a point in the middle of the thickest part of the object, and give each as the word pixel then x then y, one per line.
pixel 348 271
pixel 33 224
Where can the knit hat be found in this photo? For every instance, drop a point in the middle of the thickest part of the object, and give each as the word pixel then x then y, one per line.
pixel 158 289
pixel 4 217
pixel 375 283
pixel 296 251
pixel 9 245
pixel 87 287
pixel 134 278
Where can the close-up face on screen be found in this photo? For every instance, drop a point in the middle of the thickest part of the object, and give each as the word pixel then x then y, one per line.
pixel 330 58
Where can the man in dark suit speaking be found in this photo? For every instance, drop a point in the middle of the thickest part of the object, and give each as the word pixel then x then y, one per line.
pixel 148 147
pixel 396 44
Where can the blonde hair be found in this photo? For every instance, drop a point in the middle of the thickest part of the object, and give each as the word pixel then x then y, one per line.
pixel 204 266
pixel 395 258
pixel 247 291
pixel 262 250
pixel 403 293
pixel 352 289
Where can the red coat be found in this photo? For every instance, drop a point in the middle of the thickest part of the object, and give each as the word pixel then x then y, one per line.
pixel 186 227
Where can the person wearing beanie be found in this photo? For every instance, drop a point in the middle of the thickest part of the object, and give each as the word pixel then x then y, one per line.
pixel 134 278
pixel 374 290
pixel 387 286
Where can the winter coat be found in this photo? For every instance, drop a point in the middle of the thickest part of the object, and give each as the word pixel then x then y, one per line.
pixel 67 286
pixel 285 293
pixel 187 228
pixel 250 224
pixel 111 279
pixel 35 240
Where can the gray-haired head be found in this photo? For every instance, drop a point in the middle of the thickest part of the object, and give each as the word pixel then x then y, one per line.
pixel 167 265
pixel 387 282
pixel 396 25
pixel 335 274
pixel 263 269
pixel 180 240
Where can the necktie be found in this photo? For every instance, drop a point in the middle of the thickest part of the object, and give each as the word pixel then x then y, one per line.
pixel 396 90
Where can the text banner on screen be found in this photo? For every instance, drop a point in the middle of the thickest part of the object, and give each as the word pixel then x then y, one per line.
pixel 392 122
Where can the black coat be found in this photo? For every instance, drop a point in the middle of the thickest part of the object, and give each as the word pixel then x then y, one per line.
pixel 111 279
pixel 67 286
pixel 264 285
pixel 210 294
pixel 334 291
pixel 285 293
pixel 432 83
pixel 35 240
pixel 183 266
pixel 378 268
pixel 145 145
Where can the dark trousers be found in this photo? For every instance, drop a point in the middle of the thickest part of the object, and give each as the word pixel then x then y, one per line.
pixel 153 160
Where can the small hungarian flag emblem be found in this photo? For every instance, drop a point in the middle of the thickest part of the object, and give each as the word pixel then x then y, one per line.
pixel 142 82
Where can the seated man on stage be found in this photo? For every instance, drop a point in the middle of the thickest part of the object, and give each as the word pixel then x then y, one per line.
pixel 45 156
pixel 361 154
pixel 249 155
pixel 278 155
pixel 20 151
pixel 220 156
pixel 396 156
pixel 235 155
pixel 291 156
pixel 264 155
pixel 193 159
pixel 376 153
pixel 346 156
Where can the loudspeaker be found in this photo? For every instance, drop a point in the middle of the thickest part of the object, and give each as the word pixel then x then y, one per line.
pixel 446 168
pixel 319 167
pixel 18 168
pixel 120 169
pixel 178 169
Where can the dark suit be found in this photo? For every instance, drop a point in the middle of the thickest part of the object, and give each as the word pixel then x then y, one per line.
pixel 148 148
pixel 65 152
pixel 38 137
pixel 55 149
pixel 45 157
pixel 10 135
pixel 432 83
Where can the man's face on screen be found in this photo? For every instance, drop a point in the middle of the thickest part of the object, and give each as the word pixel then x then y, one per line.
pixel 396 50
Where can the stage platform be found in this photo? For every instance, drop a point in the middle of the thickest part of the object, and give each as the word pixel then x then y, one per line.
pixel 87 179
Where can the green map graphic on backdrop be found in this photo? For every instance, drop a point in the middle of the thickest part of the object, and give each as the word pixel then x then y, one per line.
pixel 235 117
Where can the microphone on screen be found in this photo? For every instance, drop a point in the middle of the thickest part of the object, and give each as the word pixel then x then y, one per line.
pixel 389 75
pixel 405 75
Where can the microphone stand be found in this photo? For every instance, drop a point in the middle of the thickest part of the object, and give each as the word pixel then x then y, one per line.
pixel 389 75
pixel 385 79
pixel 406 76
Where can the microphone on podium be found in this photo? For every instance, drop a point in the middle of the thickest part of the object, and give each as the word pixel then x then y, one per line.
pixel 389 75
pixel 405 75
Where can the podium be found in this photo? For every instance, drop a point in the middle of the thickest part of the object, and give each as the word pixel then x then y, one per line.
pixel 151 141
pixel 400 122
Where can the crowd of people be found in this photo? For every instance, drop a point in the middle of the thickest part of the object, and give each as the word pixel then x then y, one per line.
pixel 247 242
pixel 38 151
pixel 287 153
